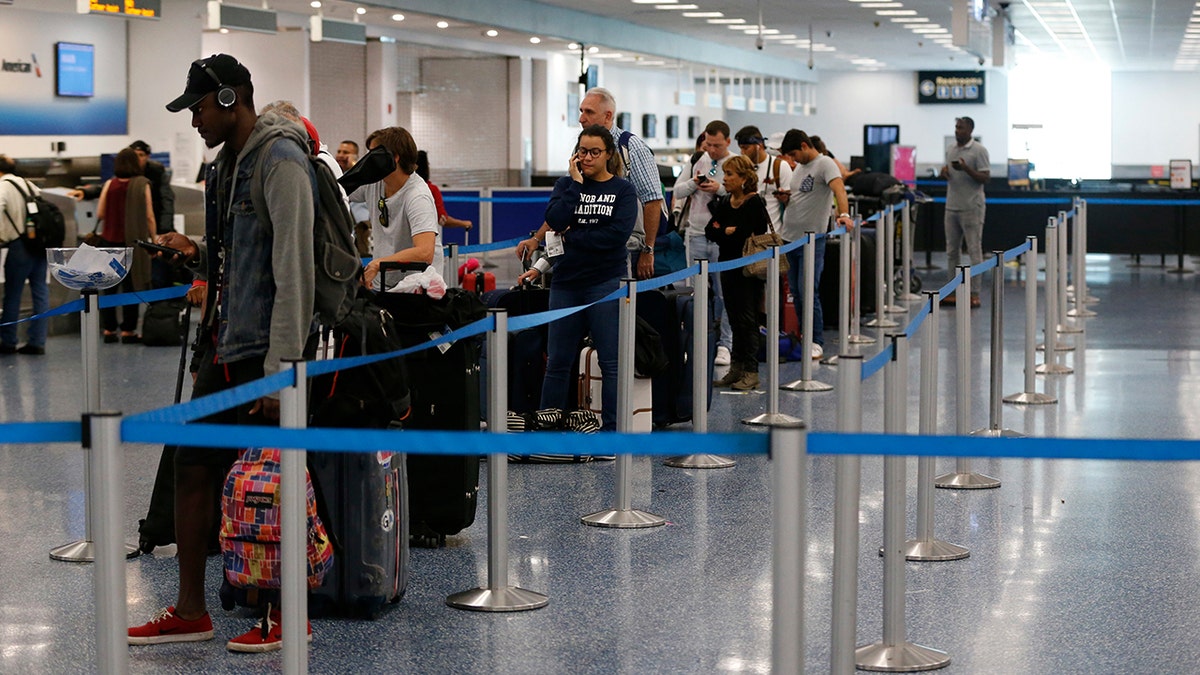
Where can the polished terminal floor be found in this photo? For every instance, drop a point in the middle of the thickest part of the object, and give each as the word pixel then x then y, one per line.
pixel 1075 566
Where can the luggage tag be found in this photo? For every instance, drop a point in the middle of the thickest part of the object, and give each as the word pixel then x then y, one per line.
pixel 445 346
pixel 554 244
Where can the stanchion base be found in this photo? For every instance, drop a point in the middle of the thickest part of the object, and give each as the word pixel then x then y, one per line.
pixel 933 550
pixel 623 519
pixel 1058 347
pixel 857 339
pixel 1091 300
pixel 806 385
pixel 831 360
pixel 894 309
pixel 1030 398
pixel 1053 369
pixel 1084 313
pixel 880 323
pixel 997 433
pixel 905 657
pixel 85 551
pixel 1068 328
pixel 507 599
pixel 699 462
pixel 966 481
pixel 773 420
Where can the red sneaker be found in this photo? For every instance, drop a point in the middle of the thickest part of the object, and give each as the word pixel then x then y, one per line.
pixel 166 627
pixel 266 636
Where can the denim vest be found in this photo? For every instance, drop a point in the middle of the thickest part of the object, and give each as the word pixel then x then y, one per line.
pixel 245 240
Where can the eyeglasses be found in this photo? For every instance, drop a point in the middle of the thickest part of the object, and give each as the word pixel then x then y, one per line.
pixel 383 212
pixel 590 152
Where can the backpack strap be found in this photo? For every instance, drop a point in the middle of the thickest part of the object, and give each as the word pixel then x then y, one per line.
pixel 27 196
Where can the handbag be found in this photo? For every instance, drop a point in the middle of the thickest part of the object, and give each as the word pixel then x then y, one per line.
pixel 756 243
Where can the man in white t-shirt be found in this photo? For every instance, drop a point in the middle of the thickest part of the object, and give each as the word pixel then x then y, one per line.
pixel 815 187
pixel 404 222
pixel 693 191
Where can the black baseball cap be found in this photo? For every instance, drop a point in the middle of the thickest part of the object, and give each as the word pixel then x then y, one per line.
pixel 208 75
pixel 141 146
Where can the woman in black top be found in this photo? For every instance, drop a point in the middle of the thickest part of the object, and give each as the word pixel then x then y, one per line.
pixel 736 216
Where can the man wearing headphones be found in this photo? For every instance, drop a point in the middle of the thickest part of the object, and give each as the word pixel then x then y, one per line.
pixel 258 258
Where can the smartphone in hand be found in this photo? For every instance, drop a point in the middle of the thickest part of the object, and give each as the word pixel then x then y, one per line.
pixel 159 248
pixel 701 179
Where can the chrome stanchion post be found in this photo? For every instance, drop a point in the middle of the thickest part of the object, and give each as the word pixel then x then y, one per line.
pixel 1050 343
pixel 486 227
pixel 1064 324
pixel 1081 208
pixel 880 320
pixel 293 525
pixel 89 341
pixel 1030 395
pixel 851 290
pixel 452 266
pixel 498 595
pixel 847 484
pixel 926 547
pixel 102 439
pixel 889 226
pixel 624 515
pixel 906 254
pixel 701 384
pixel 962 477
pixel 996 358
pixel 773 417
pixel 788 481
pixel 806 381
pixel 895 653
pixel 1080 309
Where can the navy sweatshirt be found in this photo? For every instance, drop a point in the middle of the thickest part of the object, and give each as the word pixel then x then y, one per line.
pixel 595 220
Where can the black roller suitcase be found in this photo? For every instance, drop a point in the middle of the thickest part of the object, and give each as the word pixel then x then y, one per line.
pixel 670 312
pixel 443 490
pixel 526 348
pixel 365 510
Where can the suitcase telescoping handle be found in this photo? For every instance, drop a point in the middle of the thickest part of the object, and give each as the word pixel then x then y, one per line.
pixel 391 266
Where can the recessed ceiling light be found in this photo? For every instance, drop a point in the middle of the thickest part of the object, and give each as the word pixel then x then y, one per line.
pixel 881 5
pixel 315 4
pixel 593 50
pixel 721 22
pixel 651 2
pixel 909 19
pixel 929 29
pixel 677 7
pixel 443 24
pixel 703 15
pixel 224 31
pixel 397 17
pixel 535 39
pixel 896 12
pixel 573 45
pixel 491 32
pixel 360 10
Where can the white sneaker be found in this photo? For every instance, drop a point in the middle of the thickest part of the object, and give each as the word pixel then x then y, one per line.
pixel 817 351
pixel 722 358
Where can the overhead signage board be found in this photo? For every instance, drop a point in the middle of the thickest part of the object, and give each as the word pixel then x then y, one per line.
pixel 951 86
pixel 145 9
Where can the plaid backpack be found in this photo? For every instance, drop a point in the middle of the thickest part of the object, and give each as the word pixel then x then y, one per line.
pixel 250 529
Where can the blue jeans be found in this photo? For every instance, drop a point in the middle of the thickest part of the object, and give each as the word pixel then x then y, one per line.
pixel 700 247
pixel 19 267
pixel 795 282
pixel 562 346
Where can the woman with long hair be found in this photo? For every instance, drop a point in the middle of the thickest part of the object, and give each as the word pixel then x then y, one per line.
pixel 591 215
pixel 735 217
pixel 126 214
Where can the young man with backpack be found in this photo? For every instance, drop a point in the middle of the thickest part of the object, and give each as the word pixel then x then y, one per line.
pixel 259 262
pixel 21 264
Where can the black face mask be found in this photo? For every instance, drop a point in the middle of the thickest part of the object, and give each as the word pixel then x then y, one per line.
pixel 371 168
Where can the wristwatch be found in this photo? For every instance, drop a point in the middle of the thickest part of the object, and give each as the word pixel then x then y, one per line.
pixel 647 249
pixel 843 215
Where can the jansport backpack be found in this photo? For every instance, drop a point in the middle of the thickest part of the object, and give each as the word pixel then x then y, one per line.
pixel 49 226
pixel 250 527
pixel 338 267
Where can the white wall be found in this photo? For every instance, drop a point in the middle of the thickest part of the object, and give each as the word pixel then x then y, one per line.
pixel 1154 118
pixel 847 101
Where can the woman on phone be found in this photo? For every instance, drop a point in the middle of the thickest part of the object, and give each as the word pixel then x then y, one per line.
pixel 126 214
pixel 591 215
pixel 736 216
